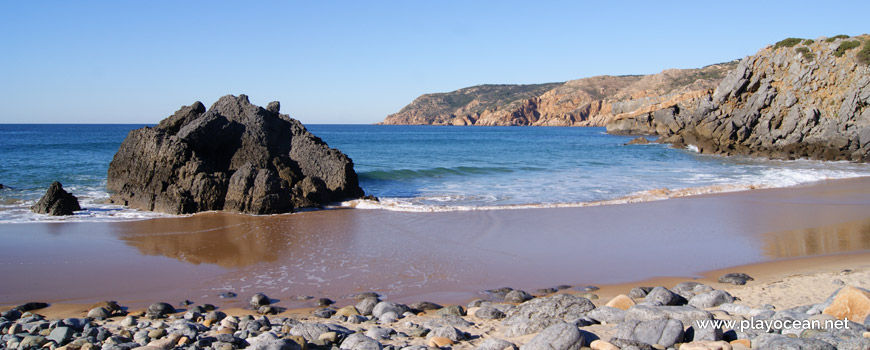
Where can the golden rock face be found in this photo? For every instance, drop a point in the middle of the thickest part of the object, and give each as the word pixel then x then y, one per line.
pixel 851 303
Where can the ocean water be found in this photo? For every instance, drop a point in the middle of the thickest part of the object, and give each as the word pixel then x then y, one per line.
pixel 424 168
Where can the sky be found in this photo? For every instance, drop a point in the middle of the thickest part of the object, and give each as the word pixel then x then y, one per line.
pixel 351 62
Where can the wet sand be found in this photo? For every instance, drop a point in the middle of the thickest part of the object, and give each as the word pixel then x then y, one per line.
pixel 443 257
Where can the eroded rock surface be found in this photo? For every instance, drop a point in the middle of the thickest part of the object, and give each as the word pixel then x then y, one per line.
pixel 235 156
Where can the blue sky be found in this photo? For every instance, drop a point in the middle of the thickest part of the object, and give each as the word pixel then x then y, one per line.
pixel 357 61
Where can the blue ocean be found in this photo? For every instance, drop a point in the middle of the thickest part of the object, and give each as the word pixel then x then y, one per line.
pixel 424 168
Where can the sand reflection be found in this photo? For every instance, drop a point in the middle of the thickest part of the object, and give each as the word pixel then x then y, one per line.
pixel 226 240
pixel 845 237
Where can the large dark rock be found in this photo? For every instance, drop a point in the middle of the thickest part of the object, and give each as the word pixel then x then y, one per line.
pixel 235 156
pixel 56 202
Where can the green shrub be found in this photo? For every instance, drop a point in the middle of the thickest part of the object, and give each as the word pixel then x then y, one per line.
pixel 835 37
pixel 809 42
pixel 864 54
pixel 846 46
pixel 787 43
pixel 805 51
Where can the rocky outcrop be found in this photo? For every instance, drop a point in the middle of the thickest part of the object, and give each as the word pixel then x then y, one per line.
pixel 583 102
pixel 807 100
pixel 235 156
pixel 56 202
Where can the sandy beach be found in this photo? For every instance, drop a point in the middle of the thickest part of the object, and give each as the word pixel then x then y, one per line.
pixel 443 257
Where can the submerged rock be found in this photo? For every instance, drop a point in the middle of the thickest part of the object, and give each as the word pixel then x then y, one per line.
pixel 235 156
pixel 56 202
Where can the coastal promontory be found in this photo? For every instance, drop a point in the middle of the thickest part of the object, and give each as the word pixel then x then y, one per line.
pixel 234 156
pixel 798 98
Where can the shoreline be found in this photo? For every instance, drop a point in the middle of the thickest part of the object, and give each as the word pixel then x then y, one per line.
pixel 766 274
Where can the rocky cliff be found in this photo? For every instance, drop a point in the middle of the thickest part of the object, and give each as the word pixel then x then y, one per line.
pixel 591 101
pixel 235 156
pixel 796 99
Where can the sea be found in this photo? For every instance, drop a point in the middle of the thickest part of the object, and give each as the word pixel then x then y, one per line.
pixel 423 168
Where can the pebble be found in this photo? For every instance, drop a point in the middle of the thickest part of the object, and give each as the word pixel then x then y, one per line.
pixel 439 342
pixel 599 344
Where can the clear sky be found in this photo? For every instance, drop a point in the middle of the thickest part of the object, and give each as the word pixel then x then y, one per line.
pixel 357 61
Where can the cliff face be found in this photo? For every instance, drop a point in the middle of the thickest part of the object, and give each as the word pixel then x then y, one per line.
pixel 591 101
pixel 806 100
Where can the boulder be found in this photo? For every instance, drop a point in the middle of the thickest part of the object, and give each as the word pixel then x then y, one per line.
pixel 258 300
pixel 489 312
pixel 663 296
pixel 517 296
pixel 850 302
pixel 496 344
pixel 639 292
pixel 56 202
pixel 560 336
pixel 358 341
pixel 779 341
pixel 235 156
pixel 735 278
pixel 386 306
pixel 711 299
pixel 537 314
pixel 686 314
pixel 655 332
pixel 607 314
pixel 157 310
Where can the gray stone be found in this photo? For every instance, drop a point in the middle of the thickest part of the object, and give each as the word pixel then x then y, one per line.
pixel 663 296
pixel 258 300
pixel 268 341
pixel 455 310
pixel 489 312
pixel 386 306
pixel 99 313
pixel 358 341
pixel 689 289
pixel 697 333
pixel 388 317
pixel 607 314
pixel 325 312
pixel 711 299
pixel 686 314
pixel 661 332
pixel 235 156
pixel 639 292
pixel 158 310
pixel 424 306
pixel 448 320
pixel 380 333
pixel 559 336
pixel 56 202
pixel 735 278
pixel 781 342
pixel 448 332
pixel 366 305
pixel 496 344
pixel 312 331
pixel 61 335
pixel 517 296
pixel 539 313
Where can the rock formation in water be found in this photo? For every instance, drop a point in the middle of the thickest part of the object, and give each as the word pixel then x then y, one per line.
pixel 583 102
pixel 56 202
pixel 796 99
pixel 235 156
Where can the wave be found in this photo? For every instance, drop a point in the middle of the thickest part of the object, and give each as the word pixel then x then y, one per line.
pixel 771 178
pixel 409 174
